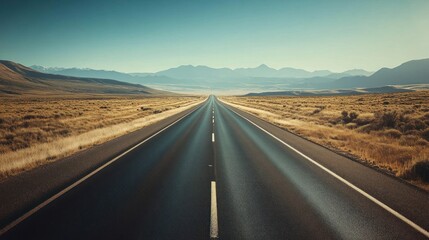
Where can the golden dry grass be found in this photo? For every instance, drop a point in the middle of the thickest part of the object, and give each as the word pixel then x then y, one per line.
pixel 390 131
pixel 34 131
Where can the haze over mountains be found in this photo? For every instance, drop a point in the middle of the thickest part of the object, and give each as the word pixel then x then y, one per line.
pixel 188 78
pixel 262 71
pixel 203 72
pixel 203 79
pixel 17 79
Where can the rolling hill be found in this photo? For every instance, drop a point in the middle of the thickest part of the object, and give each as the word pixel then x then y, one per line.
pixel 88 73
pixel 18 79
pixel 411 72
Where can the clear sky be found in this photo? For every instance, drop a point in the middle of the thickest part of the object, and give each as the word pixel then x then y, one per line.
pixel 147 36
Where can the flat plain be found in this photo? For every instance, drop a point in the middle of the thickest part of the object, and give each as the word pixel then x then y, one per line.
pixel 386 131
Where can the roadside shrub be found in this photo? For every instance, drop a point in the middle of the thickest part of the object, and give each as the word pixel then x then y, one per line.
pixel 9 136
pixel 418 124
pixel 389 119
pixel 347 118
pixel 385 120
pixel 409 125
pixel 419 170
pixel 425 134
pixel 25 124
pixel 353 115
pixel 157 111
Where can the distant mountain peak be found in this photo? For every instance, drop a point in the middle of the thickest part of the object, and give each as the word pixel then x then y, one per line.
pixel 186 66
pixel 263 66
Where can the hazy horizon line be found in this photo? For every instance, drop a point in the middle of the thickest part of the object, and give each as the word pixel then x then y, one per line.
pixel 215 67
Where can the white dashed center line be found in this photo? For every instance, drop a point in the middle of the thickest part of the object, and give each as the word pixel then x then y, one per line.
pixel 213 213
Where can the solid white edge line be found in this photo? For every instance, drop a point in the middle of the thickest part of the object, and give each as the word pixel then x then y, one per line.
pixel 214 228
pixel 59 194
pixel 373 199
pixel 213 137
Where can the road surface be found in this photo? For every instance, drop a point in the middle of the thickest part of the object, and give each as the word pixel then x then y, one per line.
pixel 220 173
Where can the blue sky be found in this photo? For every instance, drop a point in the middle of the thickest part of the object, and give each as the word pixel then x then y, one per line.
pixel 143 36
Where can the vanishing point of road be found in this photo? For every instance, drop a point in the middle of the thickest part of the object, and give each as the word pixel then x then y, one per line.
pixel 217 172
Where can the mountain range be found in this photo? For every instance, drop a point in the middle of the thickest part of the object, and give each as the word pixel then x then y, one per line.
pixel 203 79
pixel 409 75
pixel 199 72
pixel 17 79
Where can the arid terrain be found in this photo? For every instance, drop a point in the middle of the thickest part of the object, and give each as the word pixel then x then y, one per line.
pixel 36 130
pixel 389 131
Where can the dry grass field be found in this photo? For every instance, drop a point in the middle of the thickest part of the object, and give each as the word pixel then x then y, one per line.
pixel 390 131
pixel 34 131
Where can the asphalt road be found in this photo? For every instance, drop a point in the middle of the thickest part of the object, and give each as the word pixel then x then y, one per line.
pixel 215 173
